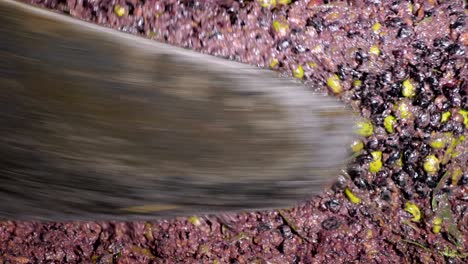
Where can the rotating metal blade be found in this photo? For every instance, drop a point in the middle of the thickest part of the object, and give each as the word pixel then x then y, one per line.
pixel 99 124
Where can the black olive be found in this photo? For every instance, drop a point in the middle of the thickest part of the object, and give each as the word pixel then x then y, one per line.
pixel 378 120
pixel 421 190
pixel 355 171
pixel 433 82
pixel 386 78
pixel 410 156
pixel 456 100
pixel 334 205
pixel 286 231
pixel 405 32
pixel 456 49
pixel 376 103
pixel 458 129
pixel 317 23
pixel 331 223
pixel 463 180
pixel 431 182
pixel 373 143
pixel 342 71
pixel 361 183
pixel 298 49
pixel 361 56
pixel 435 58
pixel 420 45
pixel 464 103
pixel 398 53
pixel 412 171
pixel 392 142
pixel 405 133
pixel 424 150
pixel 364 158
pixel 395 89
pixel 459 23
pixel 442 43
pixel 400 178
pixel 446 105
pixel 393 157
pixel 283 44
pixel 447 127
pixel 408 193
pixel 264 227
pixel 296 259
pixel 381 178
pixel 449 260
pixel 423 120
pixel 352 33
pixel 386 195
pixel 352 212
pixel 395 22
pixel 435 120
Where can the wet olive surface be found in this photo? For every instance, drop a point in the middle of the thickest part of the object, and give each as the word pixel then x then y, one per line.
pixel 403 198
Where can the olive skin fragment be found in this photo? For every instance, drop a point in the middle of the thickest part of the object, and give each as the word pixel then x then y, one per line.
pixel 351 196
pixel 413 209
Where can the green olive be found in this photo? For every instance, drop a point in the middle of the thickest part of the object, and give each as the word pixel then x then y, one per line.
pixel 119 10
pixel 374 50
pixel 376 27
pixel 334 83
pixel 389 123
pixel 365 129
pixel 280 27
pixel 274 62
pixel 431 164
pixel 357 83
pixel 357 145
pixel 267 3
pixel 194 220
pixel 408 89
pixel 445 116
pixel 376 164
pixel 438 143
pixel 404 110
pixel 299 72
